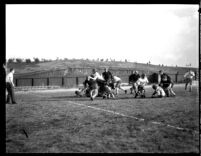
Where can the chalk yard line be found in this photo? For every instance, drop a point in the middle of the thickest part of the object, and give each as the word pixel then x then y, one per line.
pixel 128 116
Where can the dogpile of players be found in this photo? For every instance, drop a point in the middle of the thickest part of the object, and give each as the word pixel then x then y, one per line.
pixel 108 85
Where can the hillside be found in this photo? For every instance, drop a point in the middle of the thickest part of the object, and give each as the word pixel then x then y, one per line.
pixel 25 68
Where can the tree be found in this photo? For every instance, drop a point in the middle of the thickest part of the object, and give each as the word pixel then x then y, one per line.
pixel 36 60
pixel 28 60
pixel 18 60
pixel 10 60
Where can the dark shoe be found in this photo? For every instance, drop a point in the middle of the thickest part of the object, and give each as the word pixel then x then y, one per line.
pixel 14 103
pixel 92 99
pixel 125 91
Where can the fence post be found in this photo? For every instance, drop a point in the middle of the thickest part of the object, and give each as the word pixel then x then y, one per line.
pixel 48 81
pixel 32 82
pixel 62 81
pixel 77 81
pixel 16 82
pixel 176 75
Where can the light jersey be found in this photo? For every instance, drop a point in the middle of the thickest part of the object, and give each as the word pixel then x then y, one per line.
pixel 116 79
pixel 160 91
pixel 98 76
pixel 9 78
pixel 189 75
pixel 142 81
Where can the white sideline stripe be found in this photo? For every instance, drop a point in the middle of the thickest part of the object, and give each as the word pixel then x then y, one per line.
pixel 121 114
pixel 113 112
pixel 141 119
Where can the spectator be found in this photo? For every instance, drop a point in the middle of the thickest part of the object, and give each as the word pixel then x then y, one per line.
pixel 10 87
pixel 4 77
pixel 189 79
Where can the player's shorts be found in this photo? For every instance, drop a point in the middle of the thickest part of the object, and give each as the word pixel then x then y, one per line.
pixel 93 85
pixel 140 88
pixel 188 80
pixel 135 85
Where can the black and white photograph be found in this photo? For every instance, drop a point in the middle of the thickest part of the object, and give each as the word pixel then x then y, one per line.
pixel 102 78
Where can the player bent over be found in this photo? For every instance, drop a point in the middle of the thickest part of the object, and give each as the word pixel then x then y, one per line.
pixel 90 88
pixel 158 92
pixel 132 80
pixel 189 79
pixel 85 90
pixel 142 81
pixel 116 84
pixel 167 86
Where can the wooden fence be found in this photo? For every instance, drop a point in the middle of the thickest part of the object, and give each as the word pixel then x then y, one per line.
pixel 73 81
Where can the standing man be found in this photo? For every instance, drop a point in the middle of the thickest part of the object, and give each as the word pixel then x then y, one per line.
pixel 189 79
pixel 107 75
pixel 4 76
pixel 132 80
pixel 10 87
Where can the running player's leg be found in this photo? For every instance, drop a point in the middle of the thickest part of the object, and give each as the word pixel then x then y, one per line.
pixel 190 85
pixel 93 93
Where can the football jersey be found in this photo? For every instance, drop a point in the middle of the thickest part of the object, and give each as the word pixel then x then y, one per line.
pixel 9 77
pixel 160 91
pixel 189 74
pixel 142 81
pixel 134 77
pixel 116 79
pixel 97 76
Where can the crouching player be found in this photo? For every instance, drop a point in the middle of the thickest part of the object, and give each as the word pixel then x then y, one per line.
pixel 90 88
pixel 116 84
pixel 104 90
pixel 142 81
pixel 167 86
pixel 158 92
pixel 85 90
pixel 166 83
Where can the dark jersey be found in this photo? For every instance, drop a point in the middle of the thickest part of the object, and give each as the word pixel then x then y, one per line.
pixel 92 84
pixel 165 80
pixel 163 76
pixel 134 77
pixel 107 75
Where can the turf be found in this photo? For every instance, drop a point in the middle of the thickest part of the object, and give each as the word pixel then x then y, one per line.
pixel 59 122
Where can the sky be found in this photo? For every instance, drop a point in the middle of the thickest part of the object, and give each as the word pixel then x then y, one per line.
pixel 161 34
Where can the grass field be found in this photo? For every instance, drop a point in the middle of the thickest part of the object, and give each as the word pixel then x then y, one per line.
pixel 56 121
